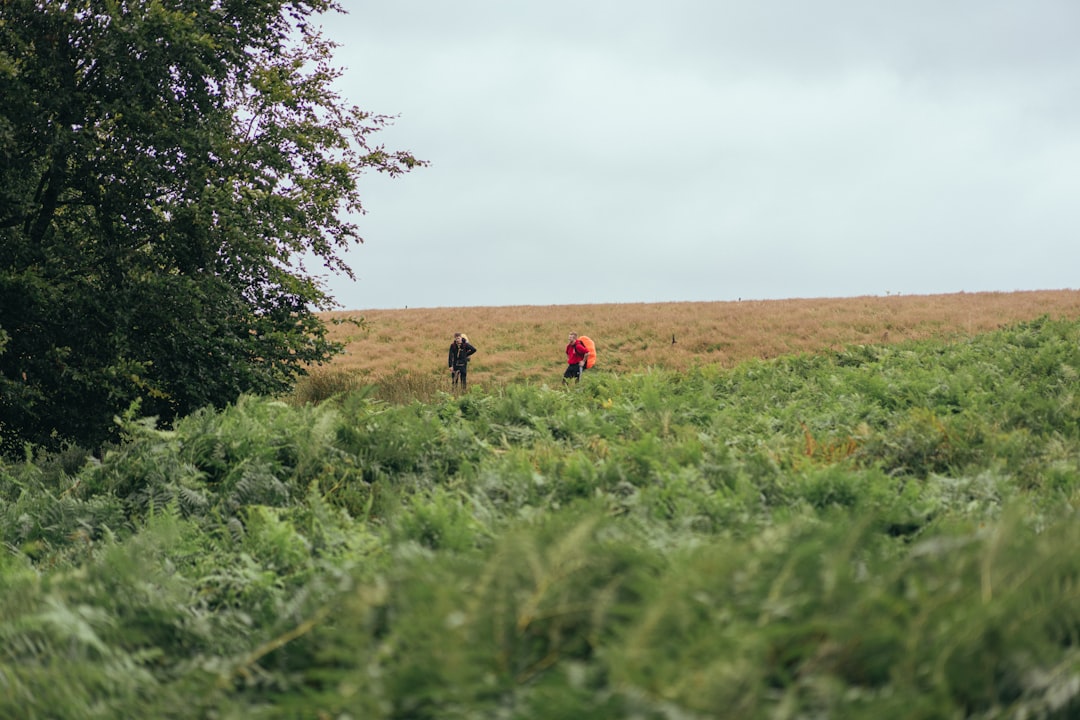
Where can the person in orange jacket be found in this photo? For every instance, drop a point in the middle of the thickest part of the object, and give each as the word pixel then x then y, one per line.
pixel 576 352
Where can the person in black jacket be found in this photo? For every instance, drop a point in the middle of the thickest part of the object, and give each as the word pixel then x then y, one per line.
pixel 460 352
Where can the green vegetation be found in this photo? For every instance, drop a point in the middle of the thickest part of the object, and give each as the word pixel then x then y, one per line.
pixel 166 171
pixel 877 532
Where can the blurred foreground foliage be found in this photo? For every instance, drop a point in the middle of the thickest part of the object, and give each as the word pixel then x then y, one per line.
pixel 877 532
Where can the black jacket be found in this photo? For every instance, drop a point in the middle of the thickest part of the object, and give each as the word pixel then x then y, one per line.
pixel 460 354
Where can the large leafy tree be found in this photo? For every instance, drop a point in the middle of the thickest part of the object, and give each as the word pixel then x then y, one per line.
pixel 167 167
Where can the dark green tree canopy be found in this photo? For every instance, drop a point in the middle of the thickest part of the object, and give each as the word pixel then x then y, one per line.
pixel 166 166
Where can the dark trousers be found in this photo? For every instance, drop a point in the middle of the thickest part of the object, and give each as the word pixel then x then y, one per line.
pixel 459 375
pixel 573 371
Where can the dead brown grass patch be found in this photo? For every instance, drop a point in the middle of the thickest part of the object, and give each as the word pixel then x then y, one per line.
pixel 525 343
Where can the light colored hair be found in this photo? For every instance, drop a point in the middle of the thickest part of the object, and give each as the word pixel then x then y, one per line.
pixel 464 337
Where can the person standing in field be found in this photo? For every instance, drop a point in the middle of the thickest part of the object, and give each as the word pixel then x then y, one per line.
pixel 576 353
pixel 460 352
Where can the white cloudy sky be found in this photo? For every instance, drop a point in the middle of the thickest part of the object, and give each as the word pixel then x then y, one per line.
pixel 630 151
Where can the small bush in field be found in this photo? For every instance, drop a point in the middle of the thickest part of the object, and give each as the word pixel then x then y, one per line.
pixel 324 383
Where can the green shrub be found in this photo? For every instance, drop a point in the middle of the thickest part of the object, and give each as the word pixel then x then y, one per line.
pixel 874 532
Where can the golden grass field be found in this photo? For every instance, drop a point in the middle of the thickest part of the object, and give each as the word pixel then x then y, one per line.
pixel 526 343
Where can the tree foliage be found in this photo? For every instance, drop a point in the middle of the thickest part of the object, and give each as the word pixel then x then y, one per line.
pixel 166 169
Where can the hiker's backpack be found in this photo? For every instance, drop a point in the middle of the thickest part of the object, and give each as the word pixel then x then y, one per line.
pixel 590 359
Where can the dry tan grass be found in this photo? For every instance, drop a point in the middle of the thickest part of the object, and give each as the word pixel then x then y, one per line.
pixel 525 343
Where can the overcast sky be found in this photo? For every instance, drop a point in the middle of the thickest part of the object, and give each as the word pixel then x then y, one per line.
pixel 630 151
